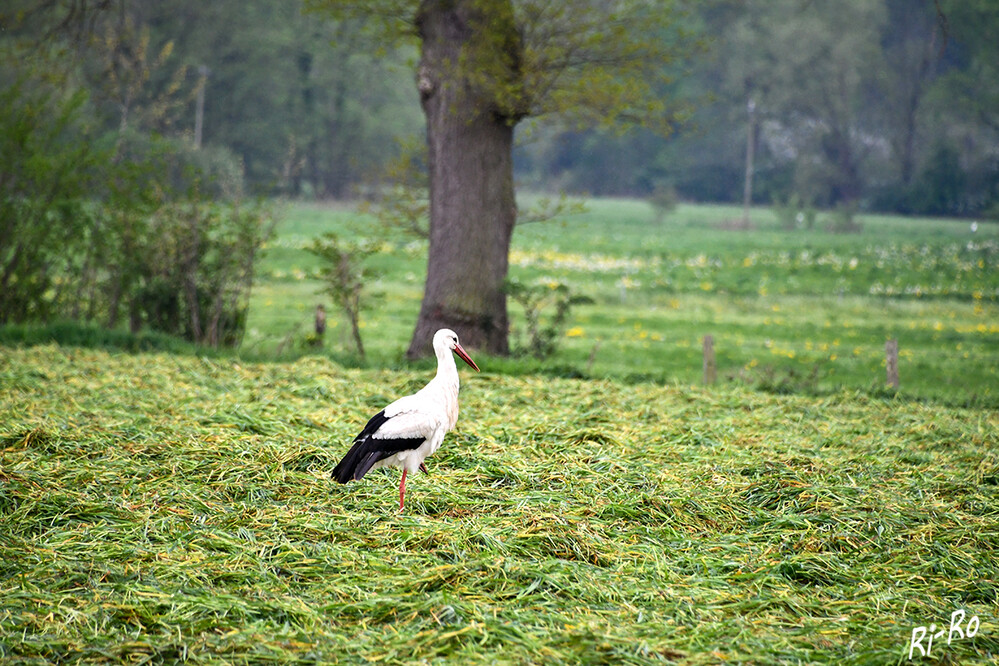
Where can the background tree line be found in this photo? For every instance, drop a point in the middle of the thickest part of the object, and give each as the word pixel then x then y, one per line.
pixel 889 104
pixel 886 104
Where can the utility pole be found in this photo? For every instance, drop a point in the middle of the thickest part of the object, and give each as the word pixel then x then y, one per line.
pixel 747 192
pixel 199 107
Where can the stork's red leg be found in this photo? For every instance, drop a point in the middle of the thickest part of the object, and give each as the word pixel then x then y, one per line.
pixel 402 490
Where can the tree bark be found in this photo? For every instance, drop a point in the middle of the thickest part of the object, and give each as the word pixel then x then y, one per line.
pixel 470 143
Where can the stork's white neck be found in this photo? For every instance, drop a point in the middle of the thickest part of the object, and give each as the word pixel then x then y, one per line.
pixel 443 388
pixel 447 371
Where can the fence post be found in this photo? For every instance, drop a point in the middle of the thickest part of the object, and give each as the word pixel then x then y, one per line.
pixel 320 320
pixel 710 371
pixel 891 362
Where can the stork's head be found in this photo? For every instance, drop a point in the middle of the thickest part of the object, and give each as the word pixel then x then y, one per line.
pixel 446 339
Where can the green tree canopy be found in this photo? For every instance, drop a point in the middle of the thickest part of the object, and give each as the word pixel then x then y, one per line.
pixel 485 65
pixel 590 64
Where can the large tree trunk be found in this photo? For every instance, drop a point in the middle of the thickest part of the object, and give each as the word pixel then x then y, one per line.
pixel 470 141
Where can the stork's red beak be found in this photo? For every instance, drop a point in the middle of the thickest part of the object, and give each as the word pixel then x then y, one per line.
pixel 464 357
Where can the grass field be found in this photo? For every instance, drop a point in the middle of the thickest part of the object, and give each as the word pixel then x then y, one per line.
pixel 160 508
pixel 804 311
pixel 596 507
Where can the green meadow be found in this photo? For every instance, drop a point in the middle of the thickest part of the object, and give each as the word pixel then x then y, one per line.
pixel 159 508
pixel 598 506
pixel 791 311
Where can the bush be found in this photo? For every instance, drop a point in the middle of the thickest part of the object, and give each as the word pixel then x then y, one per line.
pixel 121 225
pixel 789 214
pixel 663 200
pixel 941 187
pixel 195 270
pixel 344 276
pixel 536 300
pixel 46 165
pixel 128 225
pixel 844 220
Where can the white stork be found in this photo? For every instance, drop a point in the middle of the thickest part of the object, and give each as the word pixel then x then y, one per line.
pixel 413 427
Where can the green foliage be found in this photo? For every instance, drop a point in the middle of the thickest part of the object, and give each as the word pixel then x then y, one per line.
pixel 151 249
pixel 47 162
pixel 543 336
pixel 787 212
pixel 398 196
pixel 973 90
pixel 550 209
pixel 794 213
pixel 197 260
pixel 663 200
pixel 941 186
pixel 344 277
pixel 402 208
pixel 844 220
pixel 280 92
pixel 993 212
pixel 586 63
pixel 123 224
pixel 159 508
pixel 125 64
pixel 820 99
pixel 76 334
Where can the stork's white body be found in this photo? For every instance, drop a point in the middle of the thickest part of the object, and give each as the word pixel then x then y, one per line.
pixel 429 413
pixel 407 431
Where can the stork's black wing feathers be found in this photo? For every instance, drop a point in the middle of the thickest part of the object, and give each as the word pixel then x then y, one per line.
pixel 368 450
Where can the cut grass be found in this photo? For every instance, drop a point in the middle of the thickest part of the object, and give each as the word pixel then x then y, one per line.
pixel 159 508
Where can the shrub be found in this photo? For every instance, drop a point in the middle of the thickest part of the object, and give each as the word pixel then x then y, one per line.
pixel 788 212
pixel 197 270
pixel 146 242
pixel 536 300
pixel 126 224
pixel 663 200
pixel 344 276
pixel 844 220
pixel 46 160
